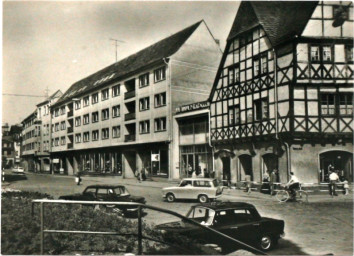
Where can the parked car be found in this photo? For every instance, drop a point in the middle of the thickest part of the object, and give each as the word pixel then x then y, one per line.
pixel 109 193
pixel 202 189
pixel 238 220
pixel 18 170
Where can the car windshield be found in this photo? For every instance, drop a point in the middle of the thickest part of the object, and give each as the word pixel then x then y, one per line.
pixel 185 183
pixel 121 191
pixel 202 215
pixel 215 182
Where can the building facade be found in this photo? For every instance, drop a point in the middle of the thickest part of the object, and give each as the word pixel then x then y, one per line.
pixel 283 95
pixel 119 119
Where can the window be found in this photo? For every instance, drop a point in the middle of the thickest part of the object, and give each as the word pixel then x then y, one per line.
pixel 237 74
pixel 346 104
pixel 231 76
pixel 105 114
pixel 86 136
pixel 94 98
pixel 57 127
pixel 105 133
pixel 328 104
pixel 95 117
pixel 56 142
pixel 56 112
pixel 78 138
pixel 86 101
pixel 116 131
pixel 116 90
pixel 160 124
pixel 116 111
pixel 144 80
pixel 349 53
pixel 144 126
pixel 78 121
pixel 234 115
pixel 160 99
pixel 62 125
pixel 144 103
pixel 62 140
pixel 327 53
pixel 315 53
pixel 78 104
pixel 160 74
pixel 261 109
pixel 95 135
pixel 105 94
pixel 52 127
pixel 264 65
pixel 86 119
pixel 256 67
pixel 62 110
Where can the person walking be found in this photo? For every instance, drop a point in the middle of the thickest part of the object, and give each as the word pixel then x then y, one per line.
pixel 272 181
pixel 138 175
pixel 78 179
pixel 333 179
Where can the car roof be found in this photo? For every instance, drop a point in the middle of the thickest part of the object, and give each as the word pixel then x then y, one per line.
pixel 105 186
pixel 225 205
pixel 208 179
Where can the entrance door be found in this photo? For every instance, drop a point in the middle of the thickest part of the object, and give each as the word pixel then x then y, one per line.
pixel 226 169
pixel 245 167
pixel 270 162
pixel 342 162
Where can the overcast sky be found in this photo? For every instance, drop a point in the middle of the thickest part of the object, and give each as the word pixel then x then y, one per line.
pixel 54 44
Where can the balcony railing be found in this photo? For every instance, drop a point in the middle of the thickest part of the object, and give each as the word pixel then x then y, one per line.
pixel 70 145
pixel 70 129
pixel 129 116
pixel 130 137
pixel 129 95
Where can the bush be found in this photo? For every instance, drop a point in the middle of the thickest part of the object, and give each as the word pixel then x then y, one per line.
pixel 21 232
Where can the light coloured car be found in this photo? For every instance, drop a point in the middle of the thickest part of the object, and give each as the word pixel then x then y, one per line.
pixel 202 189
pixel 18 170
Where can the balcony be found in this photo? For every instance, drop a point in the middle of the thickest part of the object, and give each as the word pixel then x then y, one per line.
pixel 70 129
pixel 70 113
pixel 129 116
pixel 70 145
pixel 129 138
pixel 129 95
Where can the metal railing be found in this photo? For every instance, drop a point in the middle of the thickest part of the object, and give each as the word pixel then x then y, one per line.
pixel 130 137
pixel 140 216
pixel 129 94
pixel 129 116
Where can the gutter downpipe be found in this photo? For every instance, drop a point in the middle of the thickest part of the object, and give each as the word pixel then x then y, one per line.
pixel 276 114
pixel 170 130
pixel 209 140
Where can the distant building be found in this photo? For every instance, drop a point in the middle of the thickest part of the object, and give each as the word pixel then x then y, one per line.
pixel 11 142
pixel 283 95
pixel 30 140
pixel 119 119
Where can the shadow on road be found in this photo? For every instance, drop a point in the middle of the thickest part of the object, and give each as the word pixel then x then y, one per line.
pixel 287 247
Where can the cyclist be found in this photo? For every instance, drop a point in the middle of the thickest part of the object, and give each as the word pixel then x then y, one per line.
pixel 292 185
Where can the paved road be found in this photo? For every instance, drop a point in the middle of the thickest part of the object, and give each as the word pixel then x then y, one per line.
pixel 323 226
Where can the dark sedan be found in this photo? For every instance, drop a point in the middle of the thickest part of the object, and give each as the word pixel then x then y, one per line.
pixel 109 193
pixel 238 220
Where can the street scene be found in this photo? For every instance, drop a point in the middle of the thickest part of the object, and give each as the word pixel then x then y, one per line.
pixel 177 128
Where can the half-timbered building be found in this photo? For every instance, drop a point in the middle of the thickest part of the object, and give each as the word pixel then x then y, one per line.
pixel 283 95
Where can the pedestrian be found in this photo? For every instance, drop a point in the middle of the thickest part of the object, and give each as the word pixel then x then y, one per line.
pixel 143 174
pixel 272 181
pixel 190 170
pixel 138 175
pixel 346 187
pixel 248 184
pixel 78 179
pixel 333 179
pixel 194 175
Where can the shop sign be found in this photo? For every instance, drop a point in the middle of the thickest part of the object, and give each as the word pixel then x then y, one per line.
pixel 155 157
pixel 56 161
pixel 194 106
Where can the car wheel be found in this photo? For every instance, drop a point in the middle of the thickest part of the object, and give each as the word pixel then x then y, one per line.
pixel 203 198
pixel 170 197
pixel 266 242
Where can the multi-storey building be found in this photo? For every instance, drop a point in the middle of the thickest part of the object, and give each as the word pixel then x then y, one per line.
pixel 30 139
pixel 119 119
pixel 44 118
pixel 283 95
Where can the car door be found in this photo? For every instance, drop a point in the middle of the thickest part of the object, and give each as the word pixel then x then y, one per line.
pixel 102 194
pixel 225 222
pixel 248 227
pixel 184 190
pixel 89 194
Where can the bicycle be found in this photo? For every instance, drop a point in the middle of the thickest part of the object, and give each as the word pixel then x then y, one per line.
pixel 301 196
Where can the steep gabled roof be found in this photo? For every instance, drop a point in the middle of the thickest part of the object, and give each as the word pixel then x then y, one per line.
pixel 281 20
pixel 132 63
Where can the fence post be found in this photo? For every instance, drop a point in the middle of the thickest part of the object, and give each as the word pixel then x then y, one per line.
pixel 42 228
pixel 140 236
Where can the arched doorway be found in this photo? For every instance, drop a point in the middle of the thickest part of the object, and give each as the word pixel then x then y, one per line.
pixel 342 162
pixel 226 170
pixel 270 162
pixel 245 167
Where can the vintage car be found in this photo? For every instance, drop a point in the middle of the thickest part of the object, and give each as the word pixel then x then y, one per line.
pixel 202 189
pixel 235 219
pixel 109 193
pixel 18 170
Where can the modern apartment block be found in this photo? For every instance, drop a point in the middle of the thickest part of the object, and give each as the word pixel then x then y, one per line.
pixel 118 119
pixel 36 136
pixel 283 95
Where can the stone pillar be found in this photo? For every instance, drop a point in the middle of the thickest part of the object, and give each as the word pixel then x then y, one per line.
pixel 69 167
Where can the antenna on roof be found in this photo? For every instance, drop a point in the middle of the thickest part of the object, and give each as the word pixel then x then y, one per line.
pixel 116 44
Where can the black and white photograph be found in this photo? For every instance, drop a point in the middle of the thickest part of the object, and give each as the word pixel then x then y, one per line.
pixel 177 127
